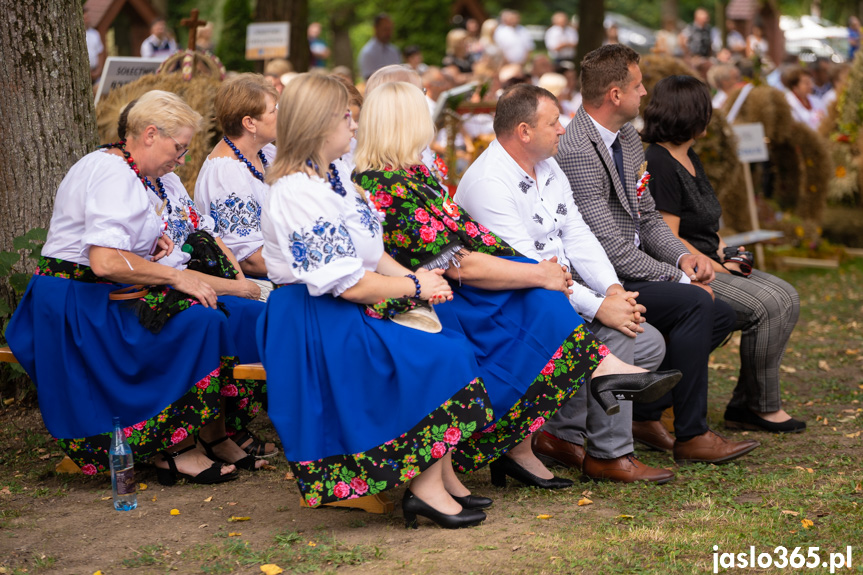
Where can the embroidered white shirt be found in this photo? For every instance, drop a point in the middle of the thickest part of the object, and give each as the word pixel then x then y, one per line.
pixel 314 236
pixel 101 202
pixel 228 192
pixel 183 220
pixel 538 218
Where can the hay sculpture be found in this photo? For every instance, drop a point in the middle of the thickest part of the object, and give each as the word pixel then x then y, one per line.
pixel 717 150
pixel 843 128
pixel 801 167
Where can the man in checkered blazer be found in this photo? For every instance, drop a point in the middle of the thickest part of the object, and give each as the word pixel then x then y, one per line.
pixel 602 155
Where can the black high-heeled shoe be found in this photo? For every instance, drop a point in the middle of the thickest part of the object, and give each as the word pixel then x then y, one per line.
pixel 638 387
pixel 413 506
pixel 209 476
pixel 472 501
pixel 505 465
pixel 247 462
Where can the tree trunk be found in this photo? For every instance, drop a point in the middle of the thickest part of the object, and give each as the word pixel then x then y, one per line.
pixel 340 24
pixel 297 13
pixel 591 28
pixel 47 108
pixel 48 115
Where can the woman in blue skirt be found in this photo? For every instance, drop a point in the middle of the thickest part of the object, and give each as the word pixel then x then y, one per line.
pixel 161 361
pixel 362 403
pixel 533 349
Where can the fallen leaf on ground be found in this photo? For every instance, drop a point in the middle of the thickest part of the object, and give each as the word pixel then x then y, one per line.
pixel 154 498
pixel 234 518
pixel 789 512
pixel 142 487
pixel 208 499
pixel 312 544
pixel 787 369
pixel 544 516
pixel 289 476
pixel 9 401
pixel 858 488
pixel 97 572
pixel 584 501
pixel 202 525
pixel 271 569
pixel 175 511
pixel 626 516
pixel 106 498
pixel 5 491
pixel 234 534
pixel 823 365
pixel 852 351
pixel 807 523
pixel 232 503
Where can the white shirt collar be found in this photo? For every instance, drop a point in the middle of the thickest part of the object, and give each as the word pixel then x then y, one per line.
pixel 607 135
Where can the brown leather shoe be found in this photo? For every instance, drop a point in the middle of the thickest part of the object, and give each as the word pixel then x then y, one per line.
pixel 652 434
pixel 710 447
pixel 556 451
pixel 625 469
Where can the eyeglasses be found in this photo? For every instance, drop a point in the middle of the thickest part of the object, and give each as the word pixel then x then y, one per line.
pixel 185 149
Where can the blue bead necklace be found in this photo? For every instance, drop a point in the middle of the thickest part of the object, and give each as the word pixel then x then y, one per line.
pixel 166 203
pixel 332 177
pixel 245 160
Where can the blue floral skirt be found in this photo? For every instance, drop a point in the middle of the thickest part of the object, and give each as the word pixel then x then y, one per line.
pixel 363 404
pixel 91 360
pixel 534 353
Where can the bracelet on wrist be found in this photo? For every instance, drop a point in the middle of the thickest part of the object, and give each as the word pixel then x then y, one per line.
pixel 416 283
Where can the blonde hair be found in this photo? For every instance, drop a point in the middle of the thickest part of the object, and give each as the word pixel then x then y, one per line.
pixel 310 108
pixel 165 110
pixel 241 96
pixel 393 73
pixel 395 128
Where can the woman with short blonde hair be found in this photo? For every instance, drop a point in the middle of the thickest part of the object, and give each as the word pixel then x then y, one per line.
pixel 533 349
pixel 405 146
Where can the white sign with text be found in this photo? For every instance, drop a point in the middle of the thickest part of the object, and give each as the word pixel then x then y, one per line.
pixel 267 40
pixel 751 147
pixel 120 70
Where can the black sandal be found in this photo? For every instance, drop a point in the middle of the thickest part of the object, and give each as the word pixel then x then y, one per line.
pixel 209 476
pixel 248 462
pixel 256 447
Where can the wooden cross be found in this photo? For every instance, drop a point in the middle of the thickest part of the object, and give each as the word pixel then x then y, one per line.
pixel 192 24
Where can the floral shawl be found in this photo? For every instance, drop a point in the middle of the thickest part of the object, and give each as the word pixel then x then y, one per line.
pixel 421 228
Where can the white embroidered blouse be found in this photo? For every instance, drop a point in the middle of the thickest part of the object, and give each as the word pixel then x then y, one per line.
pixel 101 202
pixel 233 197
pixel 314 236
pixel 183 220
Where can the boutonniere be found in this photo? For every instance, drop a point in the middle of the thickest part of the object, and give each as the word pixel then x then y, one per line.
pixel 643 180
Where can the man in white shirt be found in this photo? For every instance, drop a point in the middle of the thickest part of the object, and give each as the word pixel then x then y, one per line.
pixel 561 38
pixel 95 48
pixel 378 52
pixel 512 38
pixel 159 44
pixel 516 189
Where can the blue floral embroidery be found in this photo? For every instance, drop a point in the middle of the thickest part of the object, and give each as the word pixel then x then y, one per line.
pixel 235 215
pixel 321 245
pixel 181 222
pixel 367 218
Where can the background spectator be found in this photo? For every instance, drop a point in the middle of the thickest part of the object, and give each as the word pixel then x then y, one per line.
pixel 561 38
pixel 159 44
pixel 318 48
pixel 378 52
pixel 512 38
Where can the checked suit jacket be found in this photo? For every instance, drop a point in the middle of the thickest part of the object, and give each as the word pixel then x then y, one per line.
pixel 612 211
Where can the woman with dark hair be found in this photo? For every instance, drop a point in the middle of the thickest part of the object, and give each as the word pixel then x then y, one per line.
pixel 805 108
pixel 767 307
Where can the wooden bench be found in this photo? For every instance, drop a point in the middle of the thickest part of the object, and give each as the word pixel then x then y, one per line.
pixel 370 503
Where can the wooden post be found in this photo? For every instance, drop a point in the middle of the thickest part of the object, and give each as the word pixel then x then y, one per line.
pixel 753 212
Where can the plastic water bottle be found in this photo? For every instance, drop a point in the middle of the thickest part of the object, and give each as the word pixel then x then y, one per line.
pixel 122 471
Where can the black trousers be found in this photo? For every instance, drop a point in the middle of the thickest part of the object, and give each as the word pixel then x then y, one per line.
pixel 693 325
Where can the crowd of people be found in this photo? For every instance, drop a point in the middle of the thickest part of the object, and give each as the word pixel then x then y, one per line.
pixel 546 314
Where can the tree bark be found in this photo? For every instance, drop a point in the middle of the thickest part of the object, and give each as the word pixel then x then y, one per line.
pixel 297 13
pixel 46 105
pixel 591 28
